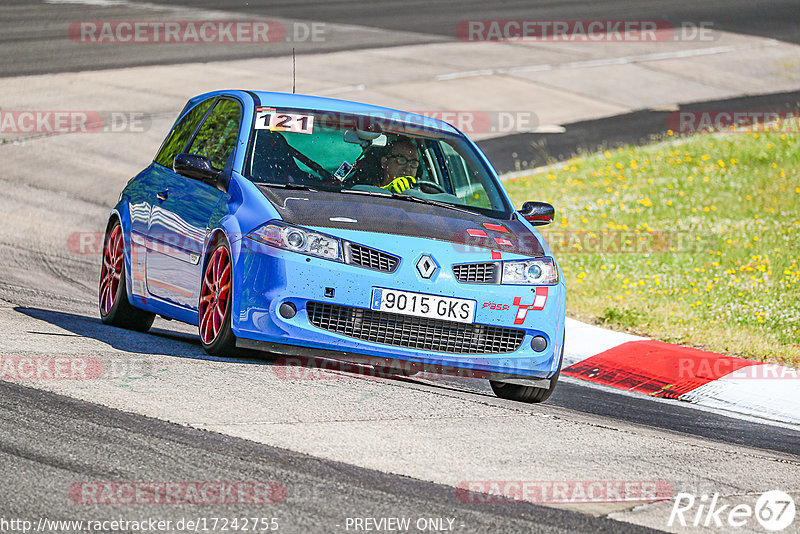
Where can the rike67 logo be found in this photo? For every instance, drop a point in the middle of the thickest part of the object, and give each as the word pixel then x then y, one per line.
pixel 774 511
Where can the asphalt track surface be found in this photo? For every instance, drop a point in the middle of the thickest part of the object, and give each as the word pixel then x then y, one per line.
pixel 32 33
pixel 47 440
pixel 108 444
pixel 571 394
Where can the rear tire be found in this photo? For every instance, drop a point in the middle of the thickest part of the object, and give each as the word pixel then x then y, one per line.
pixel 115 309
pixel 529 394
pixel 214 307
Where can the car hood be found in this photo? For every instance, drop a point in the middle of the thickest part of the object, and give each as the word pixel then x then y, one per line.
pixel 397 217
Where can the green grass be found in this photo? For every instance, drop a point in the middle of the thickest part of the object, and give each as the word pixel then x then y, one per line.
pixel 694 240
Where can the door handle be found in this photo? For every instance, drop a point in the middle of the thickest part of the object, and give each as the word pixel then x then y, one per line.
pixel 162 195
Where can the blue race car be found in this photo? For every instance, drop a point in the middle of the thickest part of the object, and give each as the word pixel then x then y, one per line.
pixel 315 227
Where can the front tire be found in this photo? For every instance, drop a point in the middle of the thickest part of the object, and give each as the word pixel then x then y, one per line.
pixel 214 309
pixel 529 394
pixel 115 310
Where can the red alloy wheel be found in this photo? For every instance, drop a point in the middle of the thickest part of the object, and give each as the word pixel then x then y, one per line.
pixel 111 271
pixel 215 294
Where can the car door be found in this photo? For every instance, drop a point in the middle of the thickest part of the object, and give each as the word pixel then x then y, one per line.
pixel 152 181
pixel 179 219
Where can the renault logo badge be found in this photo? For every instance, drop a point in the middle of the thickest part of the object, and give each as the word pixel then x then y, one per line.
pixel 426 266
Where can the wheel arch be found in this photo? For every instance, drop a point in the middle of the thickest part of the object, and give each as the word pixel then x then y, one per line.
pixel 212 239
pixel 229 227
pixel 119 215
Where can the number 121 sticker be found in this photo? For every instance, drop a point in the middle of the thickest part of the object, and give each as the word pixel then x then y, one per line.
pixel 270 119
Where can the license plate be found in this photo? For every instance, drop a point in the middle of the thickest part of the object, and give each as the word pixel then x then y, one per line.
pixel 421 305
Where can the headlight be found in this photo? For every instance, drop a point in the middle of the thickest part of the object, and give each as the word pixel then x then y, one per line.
pixel 299 240
pixel 538 272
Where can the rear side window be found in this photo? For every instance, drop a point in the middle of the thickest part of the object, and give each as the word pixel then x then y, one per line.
pixel 217 137
pixel 181 133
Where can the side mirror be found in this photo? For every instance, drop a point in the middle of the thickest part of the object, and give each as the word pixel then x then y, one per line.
pixel 196 167
pixel 538 213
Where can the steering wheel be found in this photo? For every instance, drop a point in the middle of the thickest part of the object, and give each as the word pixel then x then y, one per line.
pixel 425 184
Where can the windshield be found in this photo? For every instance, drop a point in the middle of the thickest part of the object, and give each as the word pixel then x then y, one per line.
pixel 369 155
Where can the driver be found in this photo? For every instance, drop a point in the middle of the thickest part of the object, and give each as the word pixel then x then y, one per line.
pixel 400 165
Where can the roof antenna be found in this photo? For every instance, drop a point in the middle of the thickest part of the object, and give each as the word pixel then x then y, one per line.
pixel 293 71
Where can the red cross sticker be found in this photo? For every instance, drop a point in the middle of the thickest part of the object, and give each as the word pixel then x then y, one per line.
pixel 539 301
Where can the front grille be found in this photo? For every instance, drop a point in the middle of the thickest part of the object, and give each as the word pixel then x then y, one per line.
pixel 477 273
pixel 371 258
pixel 414 332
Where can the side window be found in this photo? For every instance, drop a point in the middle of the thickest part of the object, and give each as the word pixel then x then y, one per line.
pixel 468 187
pixel 217 137
pixel 456 167
pixel 430 170
pixel 180 134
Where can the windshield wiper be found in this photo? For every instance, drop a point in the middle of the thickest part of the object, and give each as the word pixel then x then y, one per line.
pixel 368 193
pixel 439 203
pixel 409 198
pixel 298 187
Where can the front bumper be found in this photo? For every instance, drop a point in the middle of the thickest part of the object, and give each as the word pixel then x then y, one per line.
pixel 266 277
